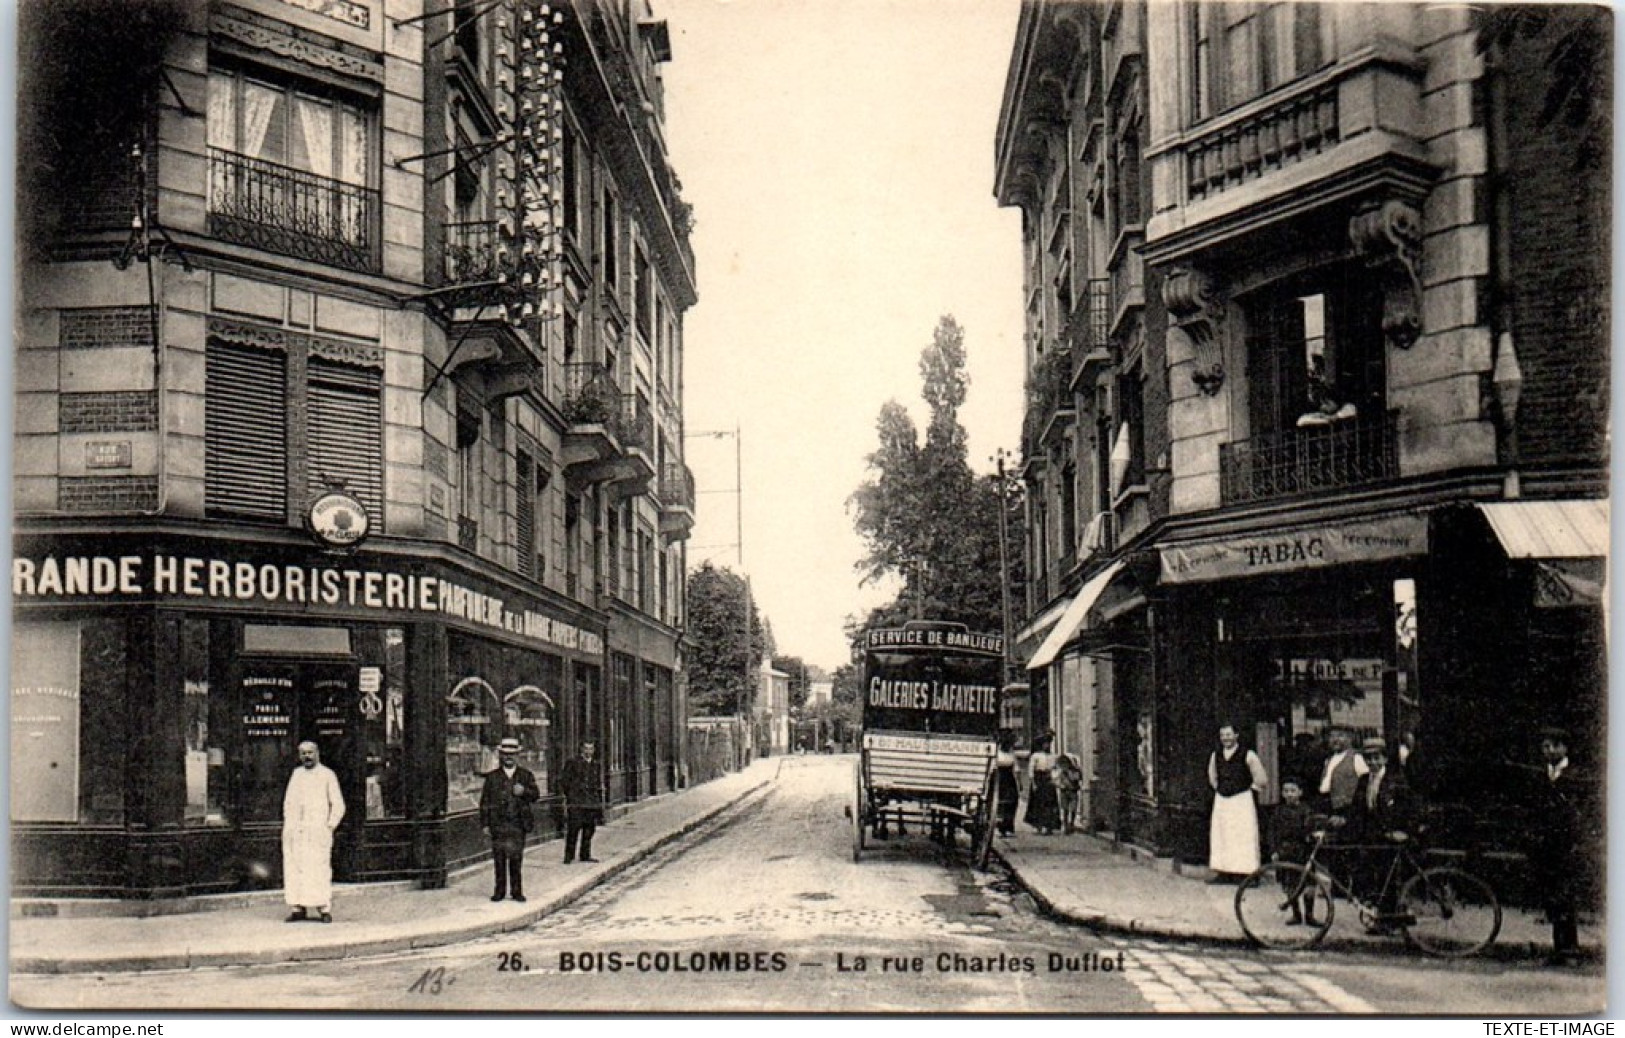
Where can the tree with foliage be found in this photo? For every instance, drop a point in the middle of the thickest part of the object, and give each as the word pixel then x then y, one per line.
pixel 722 669
pixel 925 517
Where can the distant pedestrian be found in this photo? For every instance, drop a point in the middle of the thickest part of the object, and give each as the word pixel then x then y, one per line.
pixel 1008 794
pixel 1068 784
pixel 505 811
pixel 582 784
pixel 1043 805
pixel 312 808
pixel 1236 775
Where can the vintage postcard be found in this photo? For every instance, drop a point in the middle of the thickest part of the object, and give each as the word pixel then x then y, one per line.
pixel 1087 507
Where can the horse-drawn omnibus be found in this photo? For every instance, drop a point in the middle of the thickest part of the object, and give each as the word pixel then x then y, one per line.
pixel 931 698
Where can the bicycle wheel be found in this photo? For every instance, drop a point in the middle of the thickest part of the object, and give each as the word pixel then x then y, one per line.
pixel 1449 913
pixel 1284 906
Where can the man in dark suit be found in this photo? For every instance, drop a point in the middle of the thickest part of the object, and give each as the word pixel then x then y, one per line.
pixel 1380 812
pixel 505 812
pixel 582 783
pixel 1558 859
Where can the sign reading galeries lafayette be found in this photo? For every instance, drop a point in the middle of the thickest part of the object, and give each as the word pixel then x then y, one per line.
pixel 1289 550
pixel 35 579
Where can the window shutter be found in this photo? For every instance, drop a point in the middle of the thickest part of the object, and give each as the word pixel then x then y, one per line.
pixel 245 432
pixel 525 515
pixel 345 434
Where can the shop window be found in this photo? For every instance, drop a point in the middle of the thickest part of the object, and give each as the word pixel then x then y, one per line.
pixel 207 717
pixel 68 711
pixel 383 726
pixel 1243 50
pixel 291 169
pixel 472 715
pixel 528 716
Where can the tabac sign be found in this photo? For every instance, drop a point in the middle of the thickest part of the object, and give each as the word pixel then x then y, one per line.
pixel 1289 550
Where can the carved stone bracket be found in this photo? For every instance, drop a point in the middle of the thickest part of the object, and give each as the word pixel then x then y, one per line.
pixel 1198 311
pixel 1389 236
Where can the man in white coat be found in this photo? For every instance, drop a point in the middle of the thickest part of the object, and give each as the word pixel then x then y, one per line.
pixel 312 808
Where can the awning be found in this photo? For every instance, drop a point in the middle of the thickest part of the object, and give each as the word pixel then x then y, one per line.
pixel 1041 624
pixel 1071 620
pixel 1550 529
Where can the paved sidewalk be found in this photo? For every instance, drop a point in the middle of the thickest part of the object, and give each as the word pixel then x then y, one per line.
pixel 1107 886
pixel 368 919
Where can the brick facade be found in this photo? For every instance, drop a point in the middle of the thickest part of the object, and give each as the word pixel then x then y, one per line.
pixel 107 412
pixel 104 326
pixel 108 494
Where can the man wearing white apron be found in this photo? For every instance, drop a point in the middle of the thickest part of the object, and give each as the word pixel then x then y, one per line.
pixel 312 808
pixel 1236 775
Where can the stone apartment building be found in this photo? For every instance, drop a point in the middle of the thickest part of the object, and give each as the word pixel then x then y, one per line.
pixel 1373 393
pixel 349 408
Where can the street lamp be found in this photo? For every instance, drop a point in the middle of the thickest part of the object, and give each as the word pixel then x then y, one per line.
pixel 739 542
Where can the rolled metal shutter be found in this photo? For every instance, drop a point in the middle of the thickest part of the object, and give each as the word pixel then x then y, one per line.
pixel 345 434
pixel 245 432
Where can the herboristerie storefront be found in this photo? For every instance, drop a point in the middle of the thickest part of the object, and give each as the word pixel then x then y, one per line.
pixel 162 682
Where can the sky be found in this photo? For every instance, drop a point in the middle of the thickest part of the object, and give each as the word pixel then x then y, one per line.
pixel 839 158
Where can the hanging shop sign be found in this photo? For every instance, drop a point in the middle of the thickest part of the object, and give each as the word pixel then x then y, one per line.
pixel 338 520
pixel 306 587
pixel 1291 550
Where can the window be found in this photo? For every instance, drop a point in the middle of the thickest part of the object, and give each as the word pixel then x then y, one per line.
pixel 1243 50
pixel 206 715
pixel 1315 351
pixel 292 170
pixel 571 187
pixel 643 295
pixel 470 470
pixel 572 543
pixel 251 432
pixel 245 447
pixel 68 718
pixel 531 479
pixel 611 230
pixel 345 446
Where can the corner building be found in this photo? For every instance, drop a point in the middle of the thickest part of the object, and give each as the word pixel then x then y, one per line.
pixel 428 257
pixel 1384 277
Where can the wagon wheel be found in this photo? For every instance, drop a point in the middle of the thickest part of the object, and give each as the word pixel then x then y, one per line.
pixel 860 808
pixel 982 828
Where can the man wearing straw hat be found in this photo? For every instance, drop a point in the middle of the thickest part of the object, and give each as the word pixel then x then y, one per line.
pixel 505 812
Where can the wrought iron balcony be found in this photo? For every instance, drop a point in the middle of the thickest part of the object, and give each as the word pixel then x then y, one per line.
pixel 293 212
pixel 1310 460
pixel 590 394
pixel 677 486
pixel 635 425
pixel 471 251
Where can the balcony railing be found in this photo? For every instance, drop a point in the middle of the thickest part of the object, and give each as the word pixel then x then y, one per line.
pixel 677 486
pixel 635 425
pixel 1278 136
pixel 471 251
pixel 590 394
pixel 1309 460
pixel 293 212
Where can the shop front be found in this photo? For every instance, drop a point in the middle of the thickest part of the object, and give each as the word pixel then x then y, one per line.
pixel 1454 633
pixel 1284 635
pixel 161 685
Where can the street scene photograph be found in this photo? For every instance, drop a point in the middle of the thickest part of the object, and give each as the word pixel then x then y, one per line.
pixel 1017 508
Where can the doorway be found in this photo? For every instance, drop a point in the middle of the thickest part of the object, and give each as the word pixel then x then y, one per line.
pixel 284 703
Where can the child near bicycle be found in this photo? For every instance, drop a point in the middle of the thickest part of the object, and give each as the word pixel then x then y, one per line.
pixel 1291 834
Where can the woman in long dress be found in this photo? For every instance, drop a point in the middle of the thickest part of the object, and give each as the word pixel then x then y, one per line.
pixel 1043 805
pixel 1236 776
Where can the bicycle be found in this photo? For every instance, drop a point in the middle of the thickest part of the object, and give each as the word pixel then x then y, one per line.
pixel 1444 912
